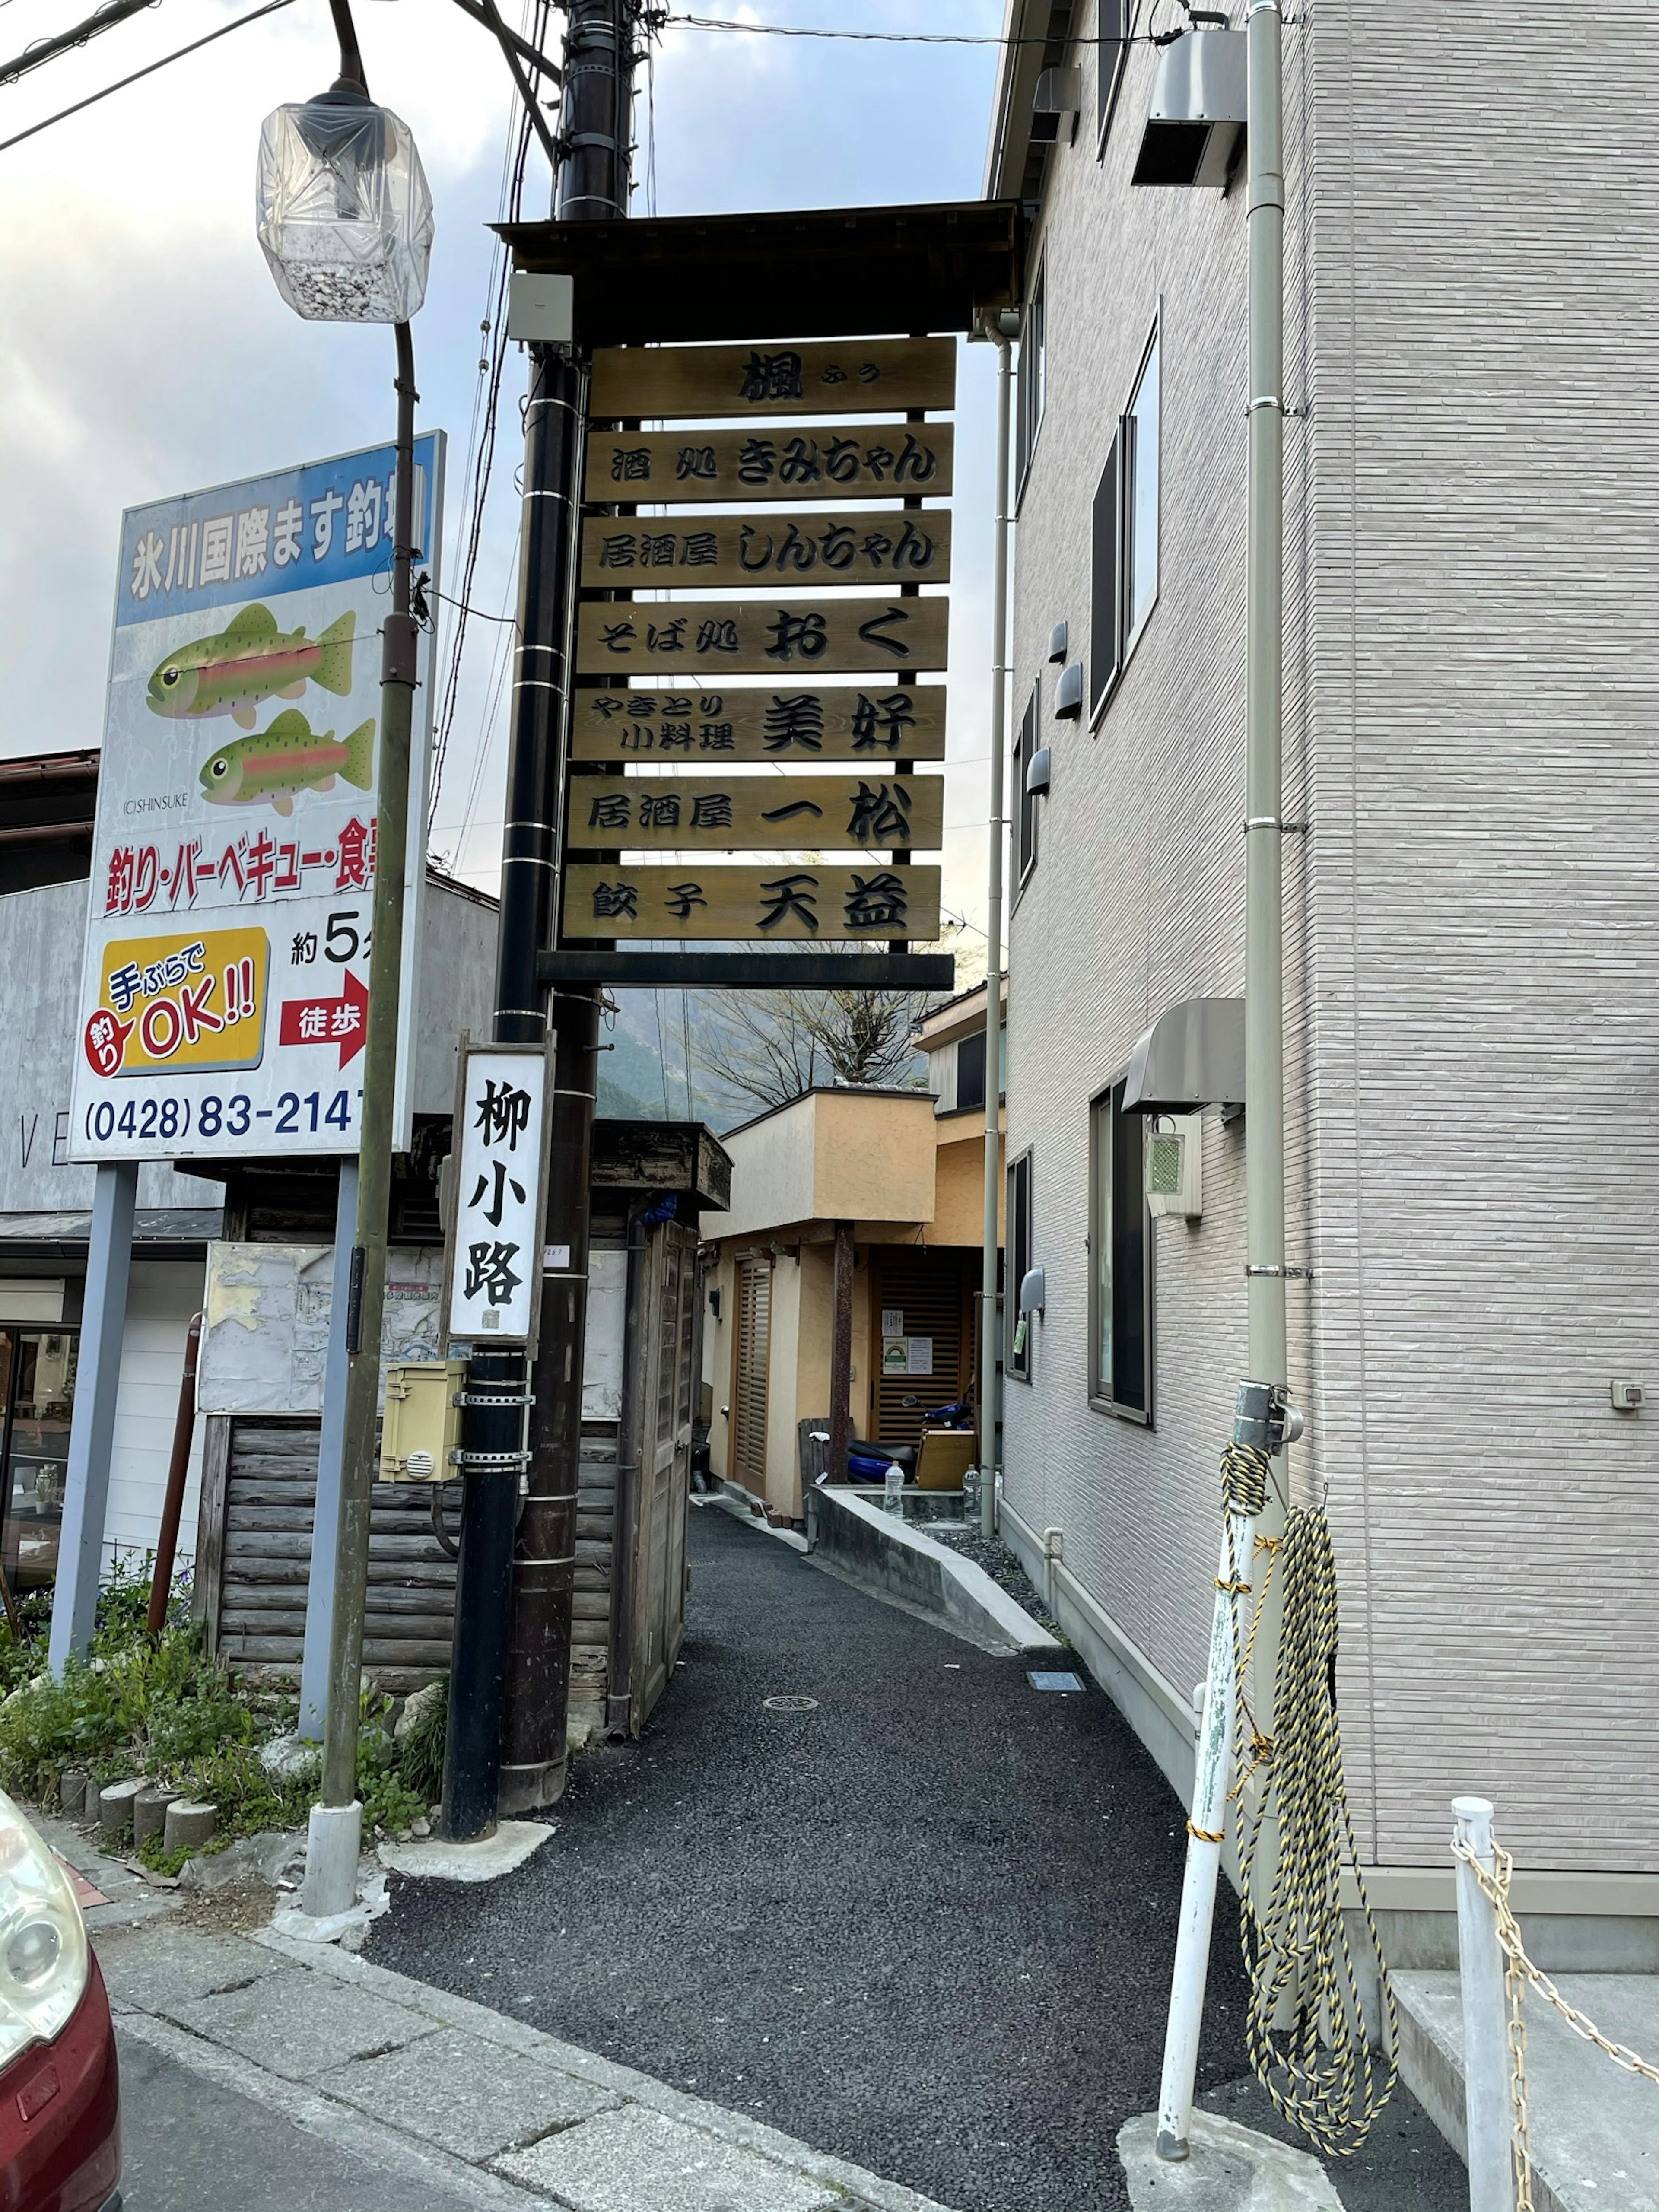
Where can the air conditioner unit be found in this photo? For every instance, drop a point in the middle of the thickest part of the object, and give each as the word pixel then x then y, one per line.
pixel 1196 113
pixel 1174 1166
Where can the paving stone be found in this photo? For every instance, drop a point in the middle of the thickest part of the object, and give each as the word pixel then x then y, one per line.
pixel 468 2096
pixel 179 1967
pixel 301 2027
pixel 636 2161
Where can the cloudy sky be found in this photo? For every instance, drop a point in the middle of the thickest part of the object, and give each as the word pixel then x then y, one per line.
pixel 144 351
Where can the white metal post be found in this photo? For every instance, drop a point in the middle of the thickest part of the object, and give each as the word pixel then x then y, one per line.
pixel 1487 2121
pixel 92 1425
pixel 331 1461
pixel 1264 1042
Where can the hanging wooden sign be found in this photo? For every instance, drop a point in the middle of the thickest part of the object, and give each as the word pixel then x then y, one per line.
pixel 639 552
pixel 839 376
pixel 753 814
pixel 828 724
pixel 701 641
pixel 782 900
pixel 815 461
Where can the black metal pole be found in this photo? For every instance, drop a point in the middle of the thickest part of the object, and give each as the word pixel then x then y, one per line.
pixel 511 1665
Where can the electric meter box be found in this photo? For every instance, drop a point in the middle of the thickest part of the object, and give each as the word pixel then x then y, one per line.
pixel 422 1423
pixel 1174 1166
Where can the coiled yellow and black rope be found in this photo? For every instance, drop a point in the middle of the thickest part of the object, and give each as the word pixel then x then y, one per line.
pixel 1305 2028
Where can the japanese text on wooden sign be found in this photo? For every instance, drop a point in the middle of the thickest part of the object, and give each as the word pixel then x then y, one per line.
pixel 853 600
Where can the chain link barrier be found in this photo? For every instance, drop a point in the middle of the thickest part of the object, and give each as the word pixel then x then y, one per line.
pixel 1519 1973
pixel 1305 2027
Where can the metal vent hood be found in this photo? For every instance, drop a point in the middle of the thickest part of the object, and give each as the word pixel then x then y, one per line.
pixel 1192 1056
pixel 1195 115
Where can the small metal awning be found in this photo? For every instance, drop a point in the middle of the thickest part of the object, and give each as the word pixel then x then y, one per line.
pixel 801 273
pixel 1192 1056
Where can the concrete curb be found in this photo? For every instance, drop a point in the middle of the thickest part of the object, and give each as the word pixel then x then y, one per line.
pixel 717 2120
pixel 888 1556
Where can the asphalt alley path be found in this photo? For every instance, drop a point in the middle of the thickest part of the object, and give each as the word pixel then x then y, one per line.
pixel 926 1926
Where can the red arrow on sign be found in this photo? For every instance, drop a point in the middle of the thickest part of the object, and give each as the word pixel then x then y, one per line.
pixel 343 1021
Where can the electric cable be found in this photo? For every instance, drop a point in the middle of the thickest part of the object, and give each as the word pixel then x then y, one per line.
pixel 121 83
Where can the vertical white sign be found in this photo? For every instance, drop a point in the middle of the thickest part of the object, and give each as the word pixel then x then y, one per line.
pixel 494 1265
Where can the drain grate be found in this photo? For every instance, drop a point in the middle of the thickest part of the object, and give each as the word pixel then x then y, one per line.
pixel 791 1705
pixel 1062 1682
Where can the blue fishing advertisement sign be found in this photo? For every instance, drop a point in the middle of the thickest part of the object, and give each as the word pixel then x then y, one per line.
pixel 225 987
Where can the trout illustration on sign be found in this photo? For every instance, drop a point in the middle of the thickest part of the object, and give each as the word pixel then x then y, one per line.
pixel 288 757
pixel 230 672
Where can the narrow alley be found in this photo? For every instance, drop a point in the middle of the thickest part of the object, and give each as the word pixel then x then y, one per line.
pixel 925 1924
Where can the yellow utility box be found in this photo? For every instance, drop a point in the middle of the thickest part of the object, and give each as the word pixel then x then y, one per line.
pixel 422 1423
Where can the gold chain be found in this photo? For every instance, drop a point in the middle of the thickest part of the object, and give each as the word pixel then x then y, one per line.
pixel 1519 1972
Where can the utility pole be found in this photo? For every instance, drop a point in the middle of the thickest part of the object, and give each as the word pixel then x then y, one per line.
pixel 511 1669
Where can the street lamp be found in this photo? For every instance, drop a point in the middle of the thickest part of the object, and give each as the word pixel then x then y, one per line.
pixel 345 217
pixel 345 220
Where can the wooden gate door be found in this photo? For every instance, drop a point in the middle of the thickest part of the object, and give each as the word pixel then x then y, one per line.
pixel 667 1383
pixel 751 1359
pixel 928 1294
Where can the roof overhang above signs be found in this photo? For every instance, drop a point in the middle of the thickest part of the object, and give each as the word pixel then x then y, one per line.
pixel 826 272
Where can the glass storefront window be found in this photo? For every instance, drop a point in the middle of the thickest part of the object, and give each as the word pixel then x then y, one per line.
pixel 37 1374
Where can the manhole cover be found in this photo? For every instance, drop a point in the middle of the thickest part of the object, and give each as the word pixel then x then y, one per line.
pixel 1060 1682
pixel 792 1704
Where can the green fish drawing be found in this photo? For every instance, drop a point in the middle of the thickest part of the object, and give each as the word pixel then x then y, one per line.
pixel 289 757
pixel 232 672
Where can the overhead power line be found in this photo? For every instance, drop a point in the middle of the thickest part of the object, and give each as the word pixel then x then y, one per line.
pixel 121 83
pixel 46 49
pixel 668 21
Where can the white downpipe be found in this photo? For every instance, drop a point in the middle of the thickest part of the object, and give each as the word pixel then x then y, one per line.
pixel 987 1353
pixel 1264 1042
pixel 1487 2119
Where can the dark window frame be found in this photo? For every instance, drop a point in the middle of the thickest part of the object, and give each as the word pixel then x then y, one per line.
pixel 974 1045
pixel 1024 809
pixel 1031 396
pixel 1112 26
pixel 1114 632
pixel 1019 1239
pixel 1115 1168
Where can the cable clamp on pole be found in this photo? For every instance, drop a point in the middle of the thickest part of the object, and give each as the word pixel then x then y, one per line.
pixel 1286 1274
pixel 489 1462
pixel 1272 822
pixel 472 1398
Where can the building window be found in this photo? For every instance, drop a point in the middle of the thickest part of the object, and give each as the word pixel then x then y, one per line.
pixel 1121 1260
pixel 1026 805
pixel 1017 1359
pixel 970 1072
pixel 1112 33
pixel 1123 586
pixel 1033 380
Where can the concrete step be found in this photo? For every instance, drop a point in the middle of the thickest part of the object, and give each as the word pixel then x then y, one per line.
pixel 1594 2127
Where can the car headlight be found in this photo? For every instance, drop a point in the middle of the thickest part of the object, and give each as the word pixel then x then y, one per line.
pixel 43 1939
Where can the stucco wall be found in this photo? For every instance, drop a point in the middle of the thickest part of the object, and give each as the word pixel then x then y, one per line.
pixel 1472 947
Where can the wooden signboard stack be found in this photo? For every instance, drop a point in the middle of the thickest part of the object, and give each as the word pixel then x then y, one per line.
pixel 760 650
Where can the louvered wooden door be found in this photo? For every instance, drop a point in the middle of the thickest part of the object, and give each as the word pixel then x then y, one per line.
pixel 750 1360
pixel 930 1293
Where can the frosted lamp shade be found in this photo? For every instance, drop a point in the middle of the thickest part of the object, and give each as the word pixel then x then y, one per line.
pixel 344 214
